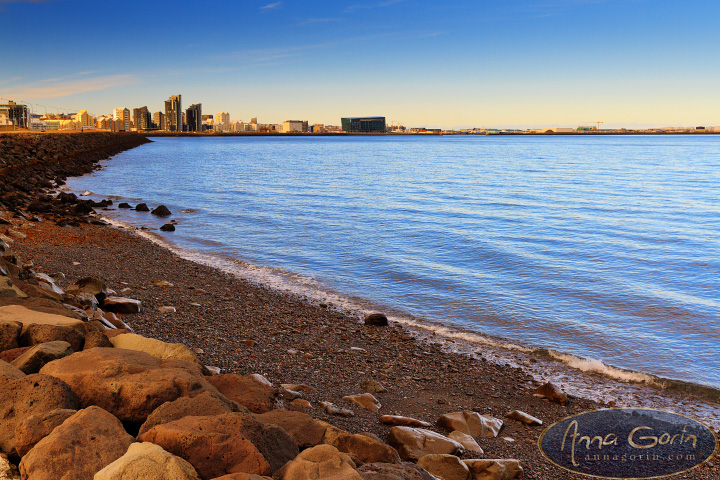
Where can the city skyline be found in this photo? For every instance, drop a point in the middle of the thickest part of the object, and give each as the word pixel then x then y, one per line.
pixel 470 64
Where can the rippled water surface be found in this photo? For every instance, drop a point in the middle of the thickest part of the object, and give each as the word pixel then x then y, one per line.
pixel 604 247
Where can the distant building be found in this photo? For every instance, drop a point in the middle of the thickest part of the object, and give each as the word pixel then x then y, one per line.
pixel 222 118
pixel 142 119
pixel 299 126
pixel 122 117
pixel 159 120
pixel 174 114
pixel 84 120
pixel 193 118
pixel 16 114
pixel 363 124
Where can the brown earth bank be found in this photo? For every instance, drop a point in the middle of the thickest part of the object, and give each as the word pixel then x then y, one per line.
pixel 73 378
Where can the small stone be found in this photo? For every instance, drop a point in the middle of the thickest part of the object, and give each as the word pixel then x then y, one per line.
pixel 213 370
pixel 195 305
pixel 495 469
pixel 298 387
pixel 162 283
pixel 446 467
pixel 376 320
pixel 168 227
pixel 247 342
pixel 371 386
pixel 292 351
pixel 142 207
pixel 161 211
pixel 166 309
pixel 552 393
pixel 332 409
pixel 124 205
pixel 466 441
pixel 364 400
pixel 121 305
pixel 398 421
pixel 524 418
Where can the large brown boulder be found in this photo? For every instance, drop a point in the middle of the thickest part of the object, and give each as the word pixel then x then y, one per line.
pixel 10 355
pixel 79 448
pixel 221 444
pixel 10 370
pixel 36 357
pixel 36 427
pixel 247 390
pixel 31 395
pixel 494 469
pixel 306 431
pixel 394 471
pixel 38 333
pixel 320 463
pixel 414 443
pixel 26 316
pixel 95 339
pixel 147 461
pixel 126 383
pixel 156 348
pixel 93 286
pixel 204 404
pixel 364 447
pixel 121 305
pixel 446 467
pixel 9 290
pixel 9 334
pixel 472 423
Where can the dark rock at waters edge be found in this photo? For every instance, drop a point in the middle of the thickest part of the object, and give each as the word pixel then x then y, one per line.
pixel 376 320
pixel 142 207
pixel 168 227
pixel 124 205
pixel 162 211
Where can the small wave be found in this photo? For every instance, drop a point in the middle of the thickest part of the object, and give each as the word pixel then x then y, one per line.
pixel 592 365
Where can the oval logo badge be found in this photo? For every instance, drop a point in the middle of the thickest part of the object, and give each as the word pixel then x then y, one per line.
pixel 628 443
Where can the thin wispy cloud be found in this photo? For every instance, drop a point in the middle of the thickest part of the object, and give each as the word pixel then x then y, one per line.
pixel 271 6
pixel 62 87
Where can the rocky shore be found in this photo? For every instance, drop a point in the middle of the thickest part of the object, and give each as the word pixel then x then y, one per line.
pixel 121 360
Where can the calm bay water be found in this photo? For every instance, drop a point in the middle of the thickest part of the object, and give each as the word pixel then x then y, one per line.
pixel 603 247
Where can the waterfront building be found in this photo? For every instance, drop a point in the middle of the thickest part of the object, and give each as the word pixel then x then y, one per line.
pixel 141 119
pixel 222 118
pixel 15 113
pixel 295 126
pixel 363 124
pixel 84 120
pixel 159 120
pixel 173 114
pixel 122 116
pixel 193 117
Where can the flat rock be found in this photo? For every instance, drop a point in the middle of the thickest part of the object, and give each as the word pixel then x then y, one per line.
pixel 445 467
pixel 166 309
pixel 30 395
pixel 525 418
pixel 494 469
pixel 364 400
pixel 9 334
pixel 83 445
pixel 413 443
pixel 466 441
pixel 234 442
pixel 333 409
pixel 472 423
pixel 363 446
pixel 26 316
pixel 298 387
pixel 147 461
pixel 156 348
pixel 256 395
pixel 36 357
pixel 121 305
pixel 300 405
pixel 204 404
pixel 398 421
pixel 37 333
pixel 394 471
pixel 306 431
pixel 10 370
pixel 34 428
pixel 320 462
pixel 127 383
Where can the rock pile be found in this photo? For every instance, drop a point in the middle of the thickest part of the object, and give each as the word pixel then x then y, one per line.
pixel 77 383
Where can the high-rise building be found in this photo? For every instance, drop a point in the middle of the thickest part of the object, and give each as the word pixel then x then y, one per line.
pixel 141 118
pixel 173 114
pixel 193 117
pixel 16 114
pixel 222 118
pixel 122 116
pixel 363 124
pixel 159 120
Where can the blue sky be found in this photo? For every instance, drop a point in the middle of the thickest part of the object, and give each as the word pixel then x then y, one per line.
pixel 420 63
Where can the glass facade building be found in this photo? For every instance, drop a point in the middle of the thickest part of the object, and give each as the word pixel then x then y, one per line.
pixel 363 124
